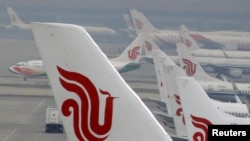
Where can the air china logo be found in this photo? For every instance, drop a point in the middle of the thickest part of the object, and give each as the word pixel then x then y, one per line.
pixel 138 24
pixel 202 124
pixel 186 42
pixel 13 17
pixel 179 111
pixel 133 53
pixel 148 46
pixel 86 114
pixel 189 67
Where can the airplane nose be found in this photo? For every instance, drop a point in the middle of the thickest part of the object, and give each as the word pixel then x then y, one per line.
pixel 12 70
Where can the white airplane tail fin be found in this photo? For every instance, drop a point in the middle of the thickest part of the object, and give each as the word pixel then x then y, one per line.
pixel 171 72
pixel 191 66
pixel 96 103
pixel 160 58
pixel 128 22
pixel 132 53
pixel 167 72
pixel 186 39
pixel 14 19
pixel 149 45
pixel 130 27
pixel 199 111
pixel 141 23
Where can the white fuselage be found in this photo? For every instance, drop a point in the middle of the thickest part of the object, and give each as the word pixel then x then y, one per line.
pixel 205 39
pixel 221 53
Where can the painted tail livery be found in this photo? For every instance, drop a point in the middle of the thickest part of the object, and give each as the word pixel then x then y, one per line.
pixel 199 112
pixel 130 57
pixel 16 21
pixel 96 103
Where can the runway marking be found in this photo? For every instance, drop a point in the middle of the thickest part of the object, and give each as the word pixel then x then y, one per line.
pixel 38 137
pixel 10 134
pixel 37 106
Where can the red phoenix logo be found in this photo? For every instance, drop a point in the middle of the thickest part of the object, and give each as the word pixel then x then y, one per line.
pixel 86 114
pixel 186 42
pixel 138 24
pixel 189 67
pixel 202 124
pixel 179 111
pixel 13 17
pixel 148 46
pixel 133 53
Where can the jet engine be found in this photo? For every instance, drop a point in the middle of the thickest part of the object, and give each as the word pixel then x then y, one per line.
pixel 235 73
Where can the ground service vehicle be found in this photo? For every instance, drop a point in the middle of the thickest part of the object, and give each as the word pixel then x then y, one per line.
pixel 53 120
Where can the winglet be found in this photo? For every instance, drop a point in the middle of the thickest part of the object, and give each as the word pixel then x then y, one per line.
pixel 95 101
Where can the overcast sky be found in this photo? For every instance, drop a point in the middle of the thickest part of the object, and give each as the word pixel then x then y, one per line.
pixel 188 5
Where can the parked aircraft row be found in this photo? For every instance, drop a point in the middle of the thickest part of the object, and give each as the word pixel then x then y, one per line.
pixel 128 60
pixel 168 72
pixel 192 67
pixel 212 40
pixel 15 21
pixel 231 63
pixel 96 102
pixel 195 50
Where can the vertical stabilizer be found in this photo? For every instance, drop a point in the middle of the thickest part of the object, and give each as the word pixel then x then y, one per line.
pixel 191 66
pixel 171 72
pixel 160 58
pixel 149 45
pixel 187 39
pixel 15 20
pixel 198 108
pixel 141 23
pixel 132 53
pixel 167 73
pixel 96 103
pixel 130 27
pixel 128 22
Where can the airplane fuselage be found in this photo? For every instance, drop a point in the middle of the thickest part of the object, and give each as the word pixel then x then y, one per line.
pixel 205 40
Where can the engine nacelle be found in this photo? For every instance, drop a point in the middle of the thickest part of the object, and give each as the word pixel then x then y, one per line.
pixel 208 68
pixel 235 73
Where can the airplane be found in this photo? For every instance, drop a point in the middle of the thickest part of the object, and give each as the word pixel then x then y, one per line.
pixel 150 49
pixel 170 73
pixel 195 50
pixel 211 40
pixel 193 68
pixel 128 60
pixel 232 67
pixel 95 30
pixel 96 102
pixel 209 83
pixel 130 29
pixel 16 21
pixel 28 69
pixel 166 79
pixel 199 112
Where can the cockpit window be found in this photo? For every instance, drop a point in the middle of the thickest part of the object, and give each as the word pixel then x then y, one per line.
pixel 21 64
